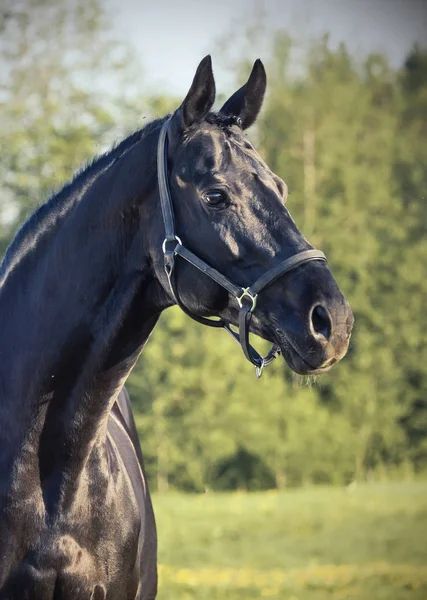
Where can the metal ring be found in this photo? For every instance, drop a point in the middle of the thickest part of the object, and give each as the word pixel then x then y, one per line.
pixel 166 240
pixel 246 293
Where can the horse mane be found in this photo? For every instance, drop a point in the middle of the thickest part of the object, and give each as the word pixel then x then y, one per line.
pixel 62 201
pixel 222 121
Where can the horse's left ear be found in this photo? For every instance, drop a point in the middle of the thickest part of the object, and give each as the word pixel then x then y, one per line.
pixel 246 102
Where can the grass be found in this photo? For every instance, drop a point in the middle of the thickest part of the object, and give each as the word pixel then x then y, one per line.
pixel 316 544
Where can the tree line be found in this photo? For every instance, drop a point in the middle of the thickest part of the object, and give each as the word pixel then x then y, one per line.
pixel 348 137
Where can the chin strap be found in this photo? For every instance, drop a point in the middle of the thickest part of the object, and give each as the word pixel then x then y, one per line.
pixel 246 297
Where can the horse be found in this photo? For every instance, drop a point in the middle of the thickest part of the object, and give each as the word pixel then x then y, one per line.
pixel 184 211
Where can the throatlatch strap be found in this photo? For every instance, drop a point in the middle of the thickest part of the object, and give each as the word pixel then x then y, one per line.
pixel 203 320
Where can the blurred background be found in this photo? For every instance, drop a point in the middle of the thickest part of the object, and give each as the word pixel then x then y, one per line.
pixel 285 487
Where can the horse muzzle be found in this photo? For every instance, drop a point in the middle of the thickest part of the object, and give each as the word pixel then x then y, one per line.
pixel 323 341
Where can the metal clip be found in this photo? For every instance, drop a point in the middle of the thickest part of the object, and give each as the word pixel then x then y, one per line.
pixel 258 370
pixel 246 293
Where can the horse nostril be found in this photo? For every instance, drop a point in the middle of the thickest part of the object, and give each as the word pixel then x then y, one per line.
pixel 321 322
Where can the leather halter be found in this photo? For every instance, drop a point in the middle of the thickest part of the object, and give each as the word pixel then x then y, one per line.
pixel 246 297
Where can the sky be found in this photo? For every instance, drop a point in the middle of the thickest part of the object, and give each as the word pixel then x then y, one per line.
pixel 172 36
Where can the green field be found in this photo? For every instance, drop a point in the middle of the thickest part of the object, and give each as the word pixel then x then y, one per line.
pixel 316 544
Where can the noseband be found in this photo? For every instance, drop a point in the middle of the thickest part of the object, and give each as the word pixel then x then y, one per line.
pixel 246 297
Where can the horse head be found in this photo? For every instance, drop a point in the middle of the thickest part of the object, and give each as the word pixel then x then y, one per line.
pixel 230 214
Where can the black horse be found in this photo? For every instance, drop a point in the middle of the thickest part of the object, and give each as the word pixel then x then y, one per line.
pixel 82 287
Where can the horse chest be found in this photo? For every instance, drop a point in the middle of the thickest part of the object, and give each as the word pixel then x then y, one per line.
pixel 82 550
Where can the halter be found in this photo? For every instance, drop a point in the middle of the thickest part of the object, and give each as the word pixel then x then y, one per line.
pixel 246 297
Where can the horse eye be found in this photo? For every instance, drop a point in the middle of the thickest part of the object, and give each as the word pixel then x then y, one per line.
pixel 215 198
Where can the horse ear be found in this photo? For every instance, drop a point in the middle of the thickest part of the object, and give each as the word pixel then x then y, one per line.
pixel 201 95
pixel 246 102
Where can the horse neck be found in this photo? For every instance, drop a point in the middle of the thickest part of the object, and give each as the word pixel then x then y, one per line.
pixel 75 313
pixel 37 226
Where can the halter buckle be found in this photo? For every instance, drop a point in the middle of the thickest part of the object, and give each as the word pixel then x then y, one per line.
pixel 247 294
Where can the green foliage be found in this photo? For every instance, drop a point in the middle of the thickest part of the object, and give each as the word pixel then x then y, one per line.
pixel 359 543
pixel 55 112
pixel 348 139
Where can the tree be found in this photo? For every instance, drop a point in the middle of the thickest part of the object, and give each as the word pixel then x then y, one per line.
pixel 58 101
